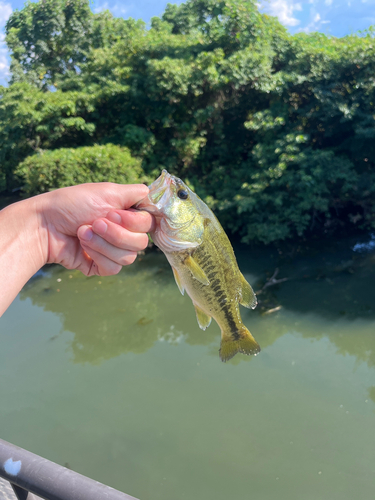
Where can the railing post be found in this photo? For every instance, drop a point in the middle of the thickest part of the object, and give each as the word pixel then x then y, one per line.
pixel 22 494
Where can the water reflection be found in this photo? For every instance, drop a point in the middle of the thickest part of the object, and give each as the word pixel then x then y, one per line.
pixel 119 314
pixel 326 295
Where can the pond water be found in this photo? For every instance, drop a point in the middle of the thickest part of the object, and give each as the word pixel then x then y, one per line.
pixel 113 378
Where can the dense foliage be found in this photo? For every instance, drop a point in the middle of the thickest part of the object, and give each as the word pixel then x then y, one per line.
pixel 276 132
pixel 68 166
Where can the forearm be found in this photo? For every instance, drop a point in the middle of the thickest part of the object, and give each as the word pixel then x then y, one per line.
pixel 23 244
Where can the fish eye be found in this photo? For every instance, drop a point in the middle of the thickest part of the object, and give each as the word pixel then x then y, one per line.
pixel 182 194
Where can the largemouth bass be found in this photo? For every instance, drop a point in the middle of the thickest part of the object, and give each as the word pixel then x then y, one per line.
pixel 202 260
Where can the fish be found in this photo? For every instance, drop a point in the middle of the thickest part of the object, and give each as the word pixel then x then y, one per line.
pixel 202 260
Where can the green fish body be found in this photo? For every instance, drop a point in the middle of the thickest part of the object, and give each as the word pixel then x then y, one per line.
pixel 202 260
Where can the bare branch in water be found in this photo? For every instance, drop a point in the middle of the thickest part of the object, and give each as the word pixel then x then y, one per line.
pixel 272 281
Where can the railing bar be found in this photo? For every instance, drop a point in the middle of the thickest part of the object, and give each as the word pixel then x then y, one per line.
pixel 49 480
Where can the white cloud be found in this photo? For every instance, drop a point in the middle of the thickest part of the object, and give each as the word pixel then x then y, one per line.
pixel 328 2
pixel 100 8
pixel 3 50
pixel 314 23
pixel 5 12
pixel 283 9
pixel 117 9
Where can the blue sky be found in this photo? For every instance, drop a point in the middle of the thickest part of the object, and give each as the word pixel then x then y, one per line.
pixel 334 17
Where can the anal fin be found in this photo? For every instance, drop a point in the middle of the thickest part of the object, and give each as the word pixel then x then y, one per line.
pixel 196 270
pixel 203 319
pixel 248 298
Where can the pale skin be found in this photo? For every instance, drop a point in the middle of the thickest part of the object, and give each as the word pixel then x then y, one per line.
pixel 89 227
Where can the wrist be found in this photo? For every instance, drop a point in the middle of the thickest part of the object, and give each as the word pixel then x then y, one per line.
pixel 27 217
pixel 23 246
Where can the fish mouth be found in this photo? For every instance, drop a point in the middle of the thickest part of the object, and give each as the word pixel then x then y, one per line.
pixel 158 196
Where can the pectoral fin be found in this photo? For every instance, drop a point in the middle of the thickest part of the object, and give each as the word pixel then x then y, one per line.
pixel 203 319
pixel 178 281
pixel 248 298
pixel 196 270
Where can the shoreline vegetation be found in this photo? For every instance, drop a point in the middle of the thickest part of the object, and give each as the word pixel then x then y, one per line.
pixel 275 132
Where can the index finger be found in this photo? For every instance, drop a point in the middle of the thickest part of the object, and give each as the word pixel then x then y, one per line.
pixel 137 221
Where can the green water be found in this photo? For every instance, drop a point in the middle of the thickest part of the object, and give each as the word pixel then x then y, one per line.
pixel 113 378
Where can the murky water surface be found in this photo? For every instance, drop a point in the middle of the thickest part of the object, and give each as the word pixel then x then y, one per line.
pixel 113 378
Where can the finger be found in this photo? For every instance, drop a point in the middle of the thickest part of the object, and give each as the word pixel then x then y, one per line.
pixel 119 236
pixel 126 195
pixel 137 221
pixel 101 265
pixel 121 255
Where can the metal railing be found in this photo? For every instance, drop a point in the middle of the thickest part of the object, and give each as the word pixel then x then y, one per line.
pixel 30 475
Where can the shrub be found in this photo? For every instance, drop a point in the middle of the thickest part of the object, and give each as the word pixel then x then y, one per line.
pixel 63 167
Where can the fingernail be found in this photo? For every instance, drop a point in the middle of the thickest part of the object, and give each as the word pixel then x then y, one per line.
pixel 114 217
pixel 100 227
pixel 86 234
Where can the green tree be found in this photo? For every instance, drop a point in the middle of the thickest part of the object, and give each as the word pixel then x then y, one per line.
pixel 274 131
pixel 48 38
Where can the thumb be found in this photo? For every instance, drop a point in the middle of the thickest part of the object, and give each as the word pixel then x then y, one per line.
pixel 126 195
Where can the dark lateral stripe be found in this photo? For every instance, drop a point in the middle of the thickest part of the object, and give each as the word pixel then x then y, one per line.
pixel 232 323
pixel 223 306
pixel 216 288
pixel 209 269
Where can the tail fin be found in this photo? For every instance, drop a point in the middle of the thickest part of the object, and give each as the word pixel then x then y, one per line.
pixel 240 341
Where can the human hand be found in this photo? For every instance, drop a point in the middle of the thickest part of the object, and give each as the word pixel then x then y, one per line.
pixel 91 228
pixel 87 227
